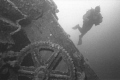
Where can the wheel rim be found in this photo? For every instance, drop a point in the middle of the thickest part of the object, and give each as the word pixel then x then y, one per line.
pixel 50 61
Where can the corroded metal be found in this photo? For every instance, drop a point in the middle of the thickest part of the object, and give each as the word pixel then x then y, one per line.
pixel 34 23
pixel 45 70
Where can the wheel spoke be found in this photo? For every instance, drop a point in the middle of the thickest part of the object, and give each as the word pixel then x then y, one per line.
pixel 54 60
pixel 59 75
pixel 36 58
pixel 27 71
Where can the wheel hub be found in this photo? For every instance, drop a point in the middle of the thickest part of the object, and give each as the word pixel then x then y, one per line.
pixel 41 72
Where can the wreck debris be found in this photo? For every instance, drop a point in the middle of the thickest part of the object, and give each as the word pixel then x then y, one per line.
pixel 35 46
pixel 42 68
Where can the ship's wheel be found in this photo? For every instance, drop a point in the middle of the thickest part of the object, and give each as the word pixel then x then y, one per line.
pixel 44 61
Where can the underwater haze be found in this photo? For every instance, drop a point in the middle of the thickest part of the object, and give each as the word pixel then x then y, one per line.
pixel 101 45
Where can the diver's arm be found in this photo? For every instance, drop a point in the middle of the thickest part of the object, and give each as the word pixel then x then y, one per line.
pixel 85 16
pixel 99 20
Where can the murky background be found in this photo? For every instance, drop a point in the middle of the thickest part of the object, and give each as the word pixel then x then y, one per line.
pixel 101 45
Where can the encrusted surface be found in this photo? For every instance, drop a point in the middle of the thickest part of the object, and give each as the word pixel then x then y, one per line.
pixel 36 20
pixel 43 70
pixel 20 9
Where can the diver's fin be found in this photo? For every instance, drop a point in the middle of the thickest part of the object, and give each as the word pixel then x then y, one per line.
pixel 76 27
pixel 80 29
pixel 80 40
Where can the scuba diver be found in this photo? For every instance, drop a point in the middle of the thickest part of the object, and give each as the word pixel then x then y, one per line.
pixel 92 16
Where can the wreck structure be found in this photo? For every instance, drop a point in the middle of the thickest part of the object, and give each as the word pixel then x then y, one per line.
pixel 33 45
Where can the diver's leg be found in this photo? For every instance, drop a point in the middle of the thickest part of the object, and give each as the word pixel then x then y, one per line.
pixel 76 27
pixel 80 40
pixel 85 28
pixel 83 32
pixel 80 29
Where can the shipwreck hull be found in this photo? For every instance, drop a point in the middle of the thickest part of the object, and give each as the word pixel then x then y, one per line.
pixel 40 35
